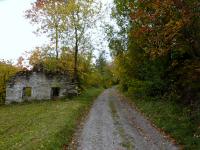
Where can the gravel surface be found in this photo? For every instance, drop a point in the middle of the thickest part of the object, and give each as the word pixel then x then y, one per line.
pixel 112 124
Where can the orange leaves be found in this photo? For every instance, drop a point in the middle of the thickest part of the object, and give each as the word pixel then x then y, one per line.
pixel 40 3
pixel 20 62
pixel 35 57
pixel 158 24
pixel 156 4
pixel 141 31
pixel 178 3
pixel 131 5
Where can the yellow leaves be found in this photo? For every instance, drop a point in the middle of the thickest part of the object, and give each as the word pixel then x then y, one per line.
pixel 35 57
pixel 156 52
pixel 172 29
pixel 7 70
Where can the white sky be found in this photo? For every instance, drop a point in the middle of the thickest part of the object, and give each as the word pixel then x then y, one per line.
pixel 16 33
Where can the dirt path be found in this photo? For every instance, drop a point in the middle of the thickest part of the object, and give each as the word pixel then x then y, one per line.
pixel 113 125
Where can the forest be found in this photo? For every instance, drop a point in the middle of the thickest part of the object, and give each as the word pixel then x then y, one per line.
pixel 156 55
pixel 155 51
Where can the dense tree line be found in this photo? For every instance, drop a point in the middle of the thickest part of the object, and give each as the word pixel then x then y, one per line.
pixel 90 73
pixel 157 50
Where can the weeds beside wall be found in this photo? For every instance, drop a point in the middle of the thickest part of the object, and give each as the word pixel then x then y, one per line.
pixel 7 70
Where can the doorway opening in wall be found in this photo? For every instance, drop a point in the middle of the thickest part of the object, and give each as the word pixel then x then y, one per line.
pixel 26 92
pixel 55 92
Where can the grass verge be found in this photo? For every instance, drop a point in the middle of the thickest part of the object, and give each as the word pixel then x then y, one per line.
pixel 172 118
pixel 43 125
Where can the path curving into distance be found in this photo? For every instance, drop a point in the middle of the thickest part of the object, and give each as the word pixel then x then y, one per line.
pixel 114 125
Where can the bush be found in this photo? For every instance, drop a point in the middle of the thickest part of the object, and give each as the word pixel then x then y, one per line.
pixel 140 88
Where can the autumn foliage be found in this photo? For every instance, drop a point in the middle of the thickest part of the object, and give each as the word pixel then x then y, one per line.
pixel 157 51
pixel 7 71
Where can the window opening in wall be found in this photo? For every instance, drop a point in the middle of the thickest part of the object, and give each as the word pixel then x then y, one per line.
pixel 55 92
pixel 27 91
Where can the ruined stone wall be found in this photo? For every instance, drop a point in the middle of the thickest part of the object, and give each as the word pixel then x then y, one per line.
pixel 41 86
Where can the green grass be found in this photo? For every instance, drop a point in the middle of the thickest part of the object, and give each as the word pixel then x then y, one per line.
pixel 172 118
pixel 43 125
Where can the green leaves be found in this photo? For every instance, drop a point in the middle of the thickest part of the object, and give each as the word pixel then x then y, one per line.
pixel 66 24
pixel 7 70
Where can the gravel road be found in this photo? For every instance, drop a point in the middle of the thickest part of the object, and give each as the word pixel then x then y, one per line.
pixel 114 125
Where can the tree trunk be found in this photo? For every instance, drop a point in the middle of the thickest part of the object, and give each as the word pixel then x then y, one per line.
pixel 57 41
pixel 76 56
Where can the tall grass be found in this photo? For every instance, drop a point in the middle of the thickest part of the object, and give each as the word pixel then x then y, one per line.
pixel 43 125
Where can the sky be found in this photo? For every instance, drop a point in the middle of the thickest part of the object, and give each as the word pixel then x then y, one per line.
pixel 16 33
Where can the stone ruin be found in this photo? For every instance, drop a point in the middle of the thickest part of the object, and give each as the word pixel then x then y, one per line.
pixel 38 85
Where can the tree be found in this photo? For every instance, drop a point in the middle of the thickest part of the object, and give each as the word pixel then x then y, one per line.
pixel 20 62
pixel 47 15
pixel 7 70
pixel 79 20
pixel 161 54
pixel 67 21
pixel 101 62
